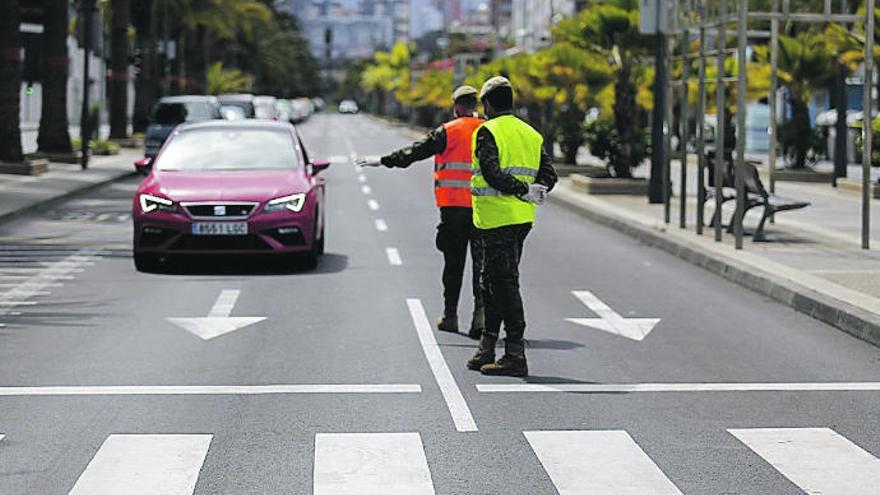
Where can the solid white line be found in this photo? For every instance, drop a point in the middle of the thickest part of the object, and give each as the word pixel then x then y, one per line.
pixel 381 226
pixel 681 387
pixel 225 302
pixel 393 256
pixel 145 464
pixel 17 303
pixel 817 460
pixel 371 463
pixel 331 388
pixel 461 414
pixel 366 189
pixel 598 462
pixel 373 204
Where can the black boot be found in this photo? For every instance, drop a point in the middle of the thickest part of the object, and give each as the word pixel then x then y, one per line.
pixel 478 323
pixel 485 354
pixel 512 363
pixel 448 323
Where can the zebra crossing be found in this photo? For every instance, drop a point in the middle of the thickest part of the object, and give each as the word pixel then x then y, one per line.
pixel 816 460
pixel 31 271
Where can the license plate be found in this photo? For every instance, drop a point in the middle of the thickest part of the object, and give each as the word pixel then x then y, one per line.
pixel 220 228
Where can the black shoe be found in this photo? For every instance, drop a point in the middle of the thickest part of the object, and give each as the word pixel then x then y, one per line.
pixel 478 323
pixel 485 354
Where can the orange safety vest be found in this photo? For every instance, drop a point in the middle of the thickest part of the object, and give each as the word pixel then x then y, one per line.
pixel 452 167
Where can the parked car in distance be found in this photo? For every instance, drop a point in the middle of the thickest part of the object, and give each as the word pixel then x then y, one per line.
pixel 264 107
pixel 171 111
pixel 300 110
pixel 233 188
pixel 348 106
pixel 283 110
pixel 232 112
pixel 319 103
pixel 242 100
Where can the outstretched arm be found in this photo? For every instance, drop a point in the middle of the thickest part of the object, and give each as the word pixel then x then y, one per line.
pixel 433 143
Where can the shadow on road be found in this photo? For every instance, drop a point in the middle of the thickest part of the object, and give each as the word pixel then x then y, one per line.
pixel 239 265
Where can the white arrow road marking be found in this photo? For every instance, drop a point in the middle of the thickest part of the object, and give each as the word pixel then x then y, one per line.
pixel 218 322
pixel 611 322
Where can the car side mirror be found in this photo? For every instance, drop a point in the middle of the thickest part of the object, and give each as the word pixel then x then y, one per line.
pixel 142 166
pixel 320 165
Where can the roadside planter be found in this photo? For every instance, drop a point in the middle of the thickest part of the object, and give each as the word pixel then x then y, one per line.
pixel 609 185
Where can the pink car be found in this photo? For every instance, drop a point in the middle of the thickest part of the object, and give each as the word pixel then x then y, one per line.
pixel 230 187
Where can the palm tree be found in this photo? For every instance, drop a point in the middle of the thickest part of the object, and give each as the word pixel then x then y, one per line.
pixel 120 10
pixel 10 82
pixel 54 135
pixel 611 29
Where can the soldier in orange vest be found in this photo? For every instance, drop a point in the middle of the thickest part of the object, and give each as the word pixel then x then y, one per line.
pixel 450 144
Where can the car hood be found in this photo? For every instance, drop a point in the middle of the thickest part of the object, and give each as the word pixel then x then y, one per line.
pixel 229 185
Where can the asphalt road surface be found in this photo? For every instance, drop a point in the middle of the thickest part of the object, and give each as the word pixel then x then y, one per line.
pixel 340 385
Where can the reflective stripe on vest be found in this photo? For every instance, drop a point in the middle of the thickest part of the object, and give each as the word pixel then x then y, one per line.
pixel 519 154
pixel 452 167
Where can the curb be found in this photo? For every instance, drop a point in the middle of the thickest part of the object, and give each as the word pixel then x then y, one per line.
pixel 54 200
pixel 842 315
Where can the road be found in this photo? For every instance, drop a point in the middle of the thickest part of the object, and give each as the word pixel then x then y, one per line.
pixel 344 387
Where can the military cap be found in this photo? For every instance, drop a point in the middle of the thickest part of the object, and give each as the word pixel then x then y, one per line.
pixel 463 91
pixel 493 84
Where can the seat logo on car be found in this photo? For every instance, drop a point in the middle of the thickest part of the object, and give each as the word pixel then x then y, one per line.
pixel 220 211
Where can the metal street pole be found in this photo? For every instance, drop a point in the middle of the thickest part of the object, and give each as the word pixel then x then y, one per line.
pixel 667 134
pixel 774 83
pixel 88 8
pixel 866 126
pixel 655 185
pixel 701 122
pixel 683 133
pixel 741 87
pixel 719 120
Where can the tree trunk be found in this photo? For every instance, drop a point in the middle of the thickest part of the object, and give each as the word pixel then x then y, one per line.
pixel 840 128
pixel 196 66
pixel 625 122
pixel 146 84
pixel 10 82
pixel 800 121
pixel 119 70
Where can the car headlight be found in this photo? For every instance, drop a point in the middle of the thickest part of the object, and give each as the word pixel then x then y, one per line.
pixel 155 203
pixel 294 203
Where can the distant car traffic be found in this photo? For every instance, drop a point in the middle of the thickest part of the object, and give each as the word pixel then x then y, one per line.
pixel 230 187
pixel 264 107
pixel 348 106
pixel 242 100
pixel 171 111
pixel 232 112
pixel 301 109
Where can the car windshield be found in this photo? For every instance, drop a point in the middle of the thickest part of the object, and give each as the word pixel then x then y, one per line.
pixel 176 113
pixel 232 148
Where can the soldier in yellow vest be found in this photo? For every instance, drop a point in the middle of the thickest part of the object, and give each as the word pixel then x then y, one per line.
pixel 512 174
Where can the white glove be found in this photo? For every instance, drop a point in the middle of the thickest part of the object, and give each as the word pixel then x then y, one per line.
pixel 537 194
pixel 368 162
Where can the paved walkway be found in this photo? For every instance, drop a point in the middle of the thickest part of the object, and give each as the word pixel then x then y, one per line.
pixel 20 193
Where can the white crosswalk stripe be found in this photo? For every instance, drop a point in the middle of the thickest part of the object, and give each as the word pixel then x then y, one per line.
pixel 371 463
pixel 598 463
pixel 817 460
pixel 145 465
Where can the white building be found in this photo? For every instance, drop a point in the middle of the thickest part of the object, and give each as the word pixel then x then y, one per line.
pixel 532 19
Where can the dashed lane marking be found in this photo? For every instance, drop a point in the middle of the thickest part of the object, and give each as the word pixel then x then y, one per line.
pixel 373 204
pixel 366 189
pixel 362 178
pixel 458 408
pixel 381 226
pixel 393 256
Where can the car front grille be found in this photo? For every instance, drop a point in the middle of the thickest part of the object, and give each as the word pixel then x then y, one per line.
pixel 219 210
pixel 249 242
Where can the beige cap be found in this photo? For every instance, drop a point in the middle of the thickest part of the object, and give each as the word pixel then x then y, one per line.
pixel 463 91
pixel 493 84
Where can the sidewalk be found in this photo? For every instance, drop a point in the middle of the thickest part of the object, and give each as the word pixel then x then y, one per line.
pixel 812 262
pixel 19 193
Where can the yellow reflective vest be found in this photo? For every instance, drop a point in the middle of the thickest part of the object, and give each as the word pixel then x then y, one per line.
pixel 519 154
